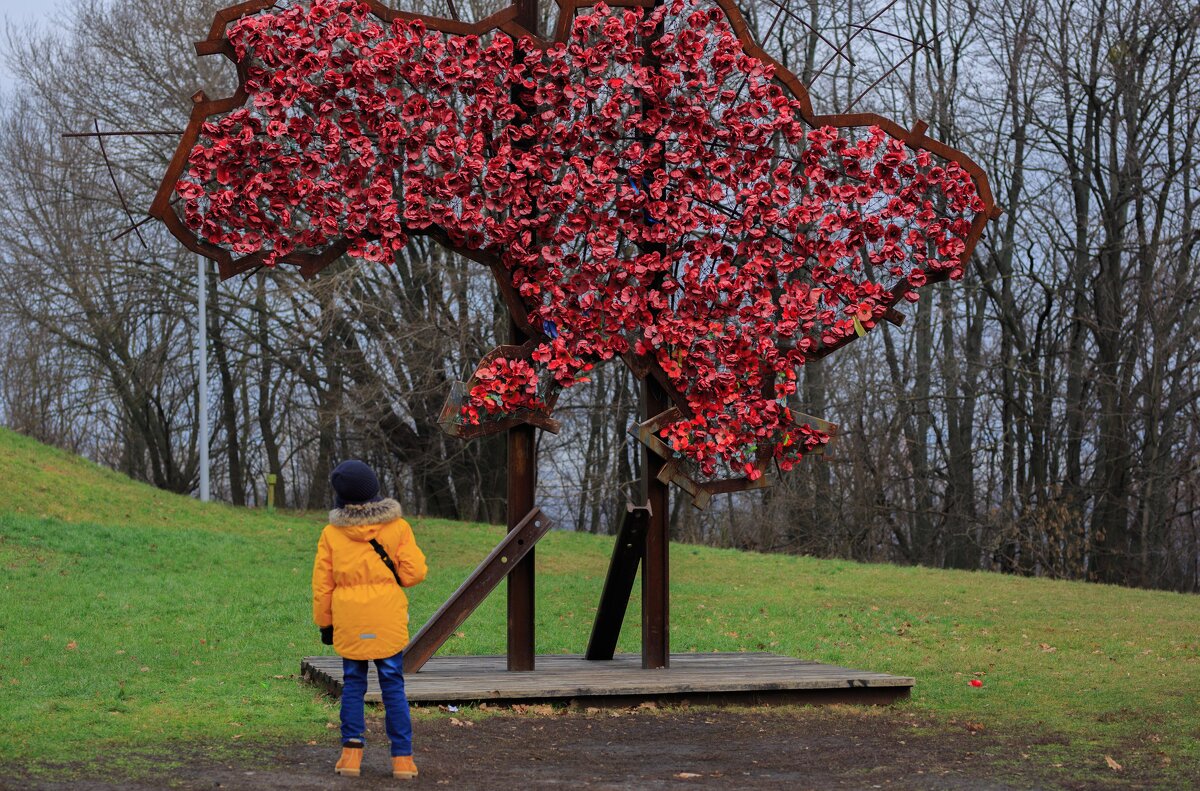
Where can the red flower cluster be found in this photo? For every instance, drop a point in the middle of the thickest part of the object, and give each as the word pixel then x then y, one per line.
pixel 647 185
pixel 503 387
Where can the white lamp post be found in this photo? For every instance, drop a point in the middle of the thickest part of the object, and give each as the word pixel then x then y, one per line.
pixel 202 356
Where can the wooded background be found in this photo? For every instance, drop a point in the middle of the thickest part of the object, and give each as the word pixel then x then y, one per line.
pixel 1039 417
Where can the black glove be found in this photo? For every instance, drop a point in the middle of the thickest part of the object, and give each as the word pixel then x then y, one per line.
pixel 327 634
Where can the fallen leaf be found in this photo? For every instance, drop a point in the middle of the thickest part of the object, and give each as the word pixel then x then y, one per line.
pixel 71 646
pixel 685 775
pixel 1047 648
pixel 1113 765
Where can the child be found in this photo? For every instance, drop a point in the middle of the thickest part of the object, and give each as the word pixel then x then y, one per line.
pixel 366 555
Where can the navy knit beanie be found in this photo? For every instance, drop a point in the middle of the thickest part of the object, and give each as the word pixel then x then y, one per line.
pixel 354 483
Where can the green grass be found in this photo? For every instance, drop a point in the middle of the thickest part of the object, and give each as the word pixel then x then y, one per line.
pixel 134 618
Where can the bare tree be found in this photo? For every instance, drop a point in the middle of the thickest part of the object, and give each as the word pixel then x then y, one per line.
pixel 1039 417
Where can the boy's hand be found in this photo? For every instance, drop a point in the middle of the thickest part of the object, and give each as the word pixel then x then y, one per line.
pixel 327 634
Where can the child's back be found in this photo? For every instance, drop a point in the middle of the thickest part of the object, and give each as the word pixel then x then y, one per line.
pixel 366 556
pixel 353 588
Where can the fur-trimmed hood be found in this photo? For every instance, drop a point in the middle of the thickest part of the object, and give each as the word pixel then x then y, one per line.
pixel 380 513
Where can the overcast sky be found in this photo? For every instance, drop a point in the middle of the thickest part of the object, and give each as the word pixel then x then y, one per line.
pixel 35 11
pixel 24 12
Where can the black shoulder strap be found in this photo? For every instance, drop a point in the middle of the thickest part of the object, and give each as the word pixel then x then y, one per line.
pixel 383 555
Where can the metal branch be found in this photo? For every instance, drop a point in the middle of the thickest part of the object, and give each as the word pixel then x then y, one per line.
pixel 853 36
pixel 132 228
pixel 888 73
pixel 137 133
pixel 837 51
pixel 142 222
pixel 113 176
pixel 906 39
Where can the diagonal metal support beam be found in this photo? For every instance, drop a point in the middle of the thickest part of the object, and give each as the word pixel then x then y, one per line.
pixel 627 555
pixel 482 581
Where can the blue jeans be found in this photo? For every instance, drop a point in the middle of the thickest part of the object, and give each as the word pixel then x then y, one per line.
pixel 397 720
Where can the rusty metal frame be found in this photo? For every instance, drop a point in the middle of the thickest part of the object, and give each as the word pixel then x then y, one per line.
pixel 702 491
pixel 540 418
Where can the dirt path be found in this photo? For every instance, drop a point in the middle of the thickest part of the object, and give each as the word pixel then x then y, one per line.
pixel 830 748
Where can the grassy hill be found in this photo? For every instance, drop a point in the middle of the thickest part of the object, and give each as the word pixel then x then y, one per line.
pixel 131 617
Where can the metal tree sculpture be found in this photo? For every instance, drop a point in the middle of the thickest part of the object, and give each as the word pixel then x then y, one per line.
pixel 647 185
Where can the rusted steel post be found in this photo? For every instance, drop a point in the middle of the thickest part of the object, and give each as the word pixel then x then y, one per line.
pixel 522 460
pixel 656 597
pixel 522 478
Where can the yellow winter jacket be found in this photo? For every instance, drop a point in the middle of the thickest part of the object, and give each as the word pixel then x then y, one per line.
pixel 352 587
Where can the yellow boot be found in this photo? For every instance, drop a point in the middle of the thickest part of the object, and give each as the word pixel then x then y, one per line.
pixel 403 767
pixel 350 764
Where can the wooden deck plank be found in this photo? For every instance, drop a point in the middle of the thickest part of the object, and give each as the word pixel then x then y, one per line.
pixel 462 679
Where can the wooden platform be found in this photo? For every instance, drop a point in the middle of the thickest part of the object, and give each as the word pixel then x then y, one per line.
pixel 698 678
